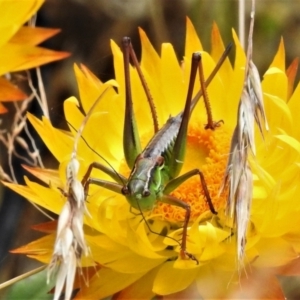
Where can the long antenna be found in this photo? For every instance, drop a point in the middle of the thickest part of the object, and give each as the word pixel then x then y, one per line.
pixel 100 156
pixel 87 116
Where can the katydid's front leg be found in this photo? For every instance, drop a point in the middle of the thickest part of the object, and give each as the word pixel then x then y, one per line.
pixel 176 182
pixel 176 202
pixel 166 198
pixel 112 186
pixel 117 177
pixel 116 186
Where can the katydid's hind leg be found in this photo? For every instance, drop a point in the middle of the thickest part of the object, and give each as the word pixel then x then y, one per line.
pixel 181 139
pixel 131 140
pixel 145 86
pixel 176 182
pixel 176 202
pixel 211 124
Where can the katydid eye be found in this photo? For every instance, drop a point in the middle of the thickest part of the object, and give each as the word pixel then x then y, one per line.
pixel 125 190
pixel 146 193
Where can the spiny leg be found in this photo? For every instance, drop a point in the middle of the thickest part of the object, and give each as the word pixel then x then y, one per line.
pixel 181 139
pixel 176 202
pixel 110 172
pixel 116 186
pixel 127 46
pixel 131 139
pixel 112 186
pixel 176 182
pixel 149 227
pixel 211 124
pixel 211 76
pixel 171 186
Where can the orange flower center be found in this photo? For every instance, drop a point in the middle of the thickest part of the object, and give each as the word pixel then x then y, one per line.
pixel 207 150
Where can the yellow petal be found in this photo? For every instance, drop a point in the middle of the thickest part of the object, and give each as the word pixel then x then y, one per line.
pixel 173 86
pixel 203 234
pixel 290 141
pixel 139 242
pixel 49 198
pixel 140 289
pixel 90 87
pixel 209 287
pixel 279 58
pixel 14 15
pixel 226 72
pixel 294 106
pixel 38 194
pixel 112 214
pixel 41 249
pixel 191 292
pixel 275 80
pixel 58 142
pixel 9 92
pixel 291 73
pixel 16 57
pixel 103 130
pixel 150 61
pixel 273 253
pixel 119 258
pixel 48 176
pixel 33 35
pixel 278 112
pixel 106 283
pixel 192 42
pixel 234 90
pixel 170 280
pixel 212 248
pixel 118 67
pixel 151 66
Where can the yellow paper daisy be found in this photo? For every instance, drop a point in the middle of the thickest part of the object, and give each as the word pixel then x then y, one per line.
pixel 137 264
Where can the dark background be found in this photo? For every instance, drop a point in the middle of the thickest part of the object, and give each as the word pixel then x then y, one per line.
pixel 87 27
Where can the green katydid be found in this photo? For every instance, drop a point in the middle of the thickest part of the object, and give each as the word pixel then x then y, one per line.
pixel 155 169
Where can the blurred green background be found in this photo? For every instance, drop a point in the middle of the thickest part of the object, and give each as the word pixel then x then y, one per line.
pixel 87 27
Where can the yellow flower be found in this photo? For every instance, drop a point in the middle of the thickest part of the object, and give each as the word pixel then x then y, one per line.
pixel 138 264
pixel 18 50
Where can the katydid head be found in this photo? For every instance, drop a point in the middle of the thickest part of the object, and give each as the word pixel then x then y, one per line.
pixel 144 184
